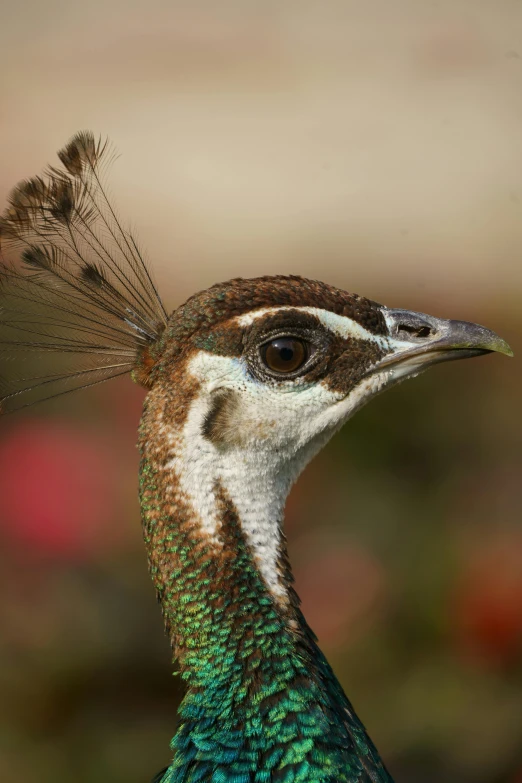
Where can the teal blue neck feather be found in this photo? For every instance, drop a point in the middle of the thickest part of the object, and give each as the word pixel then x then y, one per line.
pixel 262 704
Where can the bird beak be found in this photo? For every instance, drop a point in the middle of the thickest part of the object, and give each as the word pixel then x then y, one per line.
pixel 418 341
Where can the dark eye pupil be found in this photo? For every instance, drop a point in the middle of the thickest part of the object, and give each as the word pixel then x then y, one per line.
pixel 285 354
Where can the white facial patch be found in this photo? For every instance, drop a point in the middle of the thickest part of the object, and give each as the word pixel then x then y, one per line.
pixel 281 430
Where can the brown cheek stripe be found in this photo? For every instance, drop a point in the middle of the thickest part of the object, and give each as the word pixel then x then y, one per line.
pixel 350 362
pixel 219 424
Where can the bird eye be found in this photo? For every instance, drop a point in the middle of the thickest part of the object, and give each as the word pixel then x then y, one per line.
pixel 285 354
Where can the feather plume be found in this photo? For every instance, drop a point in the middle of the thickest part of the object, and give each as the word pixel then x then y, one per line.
pixel 80 300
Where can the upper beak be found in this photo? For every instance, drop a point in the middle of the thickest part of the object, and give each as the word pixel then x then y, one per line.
pixel 419 340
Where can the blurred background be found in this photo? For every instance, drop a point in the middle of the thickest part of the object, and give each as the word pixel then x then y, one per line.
pixel 373 145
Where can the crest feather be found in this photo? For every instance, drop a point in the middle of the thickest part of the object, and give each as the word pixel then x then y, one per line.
pixel 80 289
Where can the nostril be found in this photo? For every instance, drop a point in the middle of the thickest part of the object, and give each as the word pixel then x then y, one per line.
pixel 415 331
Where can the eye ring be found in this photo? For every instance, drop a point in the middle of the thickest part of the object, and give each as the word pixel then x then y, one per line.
pixel 285 355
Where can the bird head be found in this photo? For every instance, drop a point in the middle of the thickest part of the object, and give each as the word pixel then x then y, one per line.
pixel 274 366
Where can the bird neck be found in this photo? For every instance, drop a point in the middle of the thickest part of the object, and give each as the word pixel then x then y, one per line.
pixel 260 695
pixel 217 553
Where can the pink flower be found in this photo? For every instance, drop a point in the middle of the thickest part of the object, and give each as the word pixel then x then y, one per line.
pixel 58 489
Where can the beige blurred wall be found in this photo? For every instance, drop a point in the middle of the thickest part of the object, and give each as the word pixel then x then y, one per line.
pixel 375 144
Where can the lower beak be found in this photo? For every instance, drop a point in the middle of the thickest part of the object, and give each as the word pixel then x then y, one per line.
pixel 418 341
